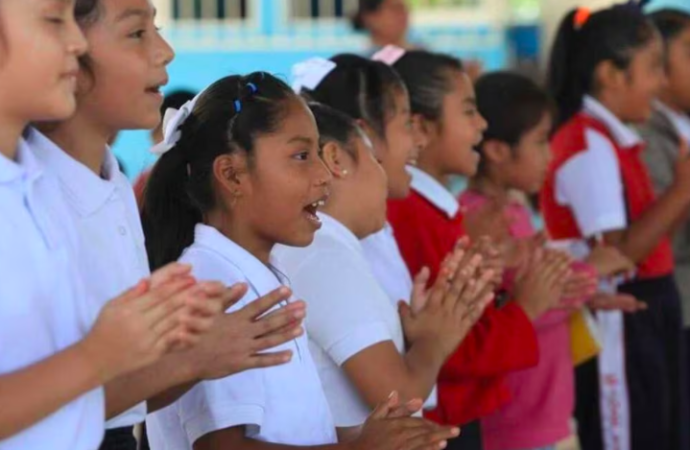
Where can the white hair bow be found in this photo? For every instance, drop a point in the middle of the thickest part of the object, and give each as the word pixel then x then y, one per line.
pixel 389 55
pixel 308 74
pixel 172 121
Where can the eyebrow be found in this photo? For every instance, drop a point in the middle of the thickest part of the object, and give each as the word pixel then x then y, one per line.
pixel 136 12
pixel 471 101
pixel 301 140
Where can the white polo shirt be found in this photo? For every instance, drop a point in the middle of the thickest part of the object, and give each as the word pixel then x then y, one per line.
pixel 42 305
pixel 388 265
pixel 104 211
pixel 347 312
pixel 590 183
pixel 283 404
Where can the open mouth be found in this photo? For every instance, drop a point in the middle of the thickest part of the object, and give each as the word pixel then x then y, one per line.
pixel 312 209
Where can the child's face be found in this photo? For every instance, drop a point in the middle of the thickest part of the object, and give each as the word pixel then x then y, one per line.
pixel 399 150
pixel 678 73
pixel 461 129
pixel 531 158
pixel 645 80
pixel 39 46
pixel 286 177
pixel 129 59
pixel 391 20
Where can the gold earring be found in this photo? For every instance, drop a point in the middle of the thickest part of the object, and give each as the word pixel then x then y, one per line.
pixel 344 173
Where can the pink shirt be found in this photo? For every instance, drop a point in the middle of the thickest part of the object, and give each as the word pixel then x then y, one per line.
pixel 543 396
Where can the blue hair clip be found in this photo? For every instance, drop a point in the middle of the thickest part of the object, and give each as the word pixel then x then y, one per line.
pixel 253 87
pixel 238 106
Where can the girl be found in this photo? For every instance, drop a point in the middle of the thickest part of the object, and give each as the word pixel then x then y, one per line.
pixel 245 175
pixel 514 157
pixel 43 319
pixel 429 221
pixel 100 199
pixel 605 71
pixel 355 332
pixel 667 133
pixel 385 21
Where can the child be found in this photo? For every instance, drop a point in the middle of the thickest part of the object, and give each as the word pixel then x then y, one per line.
pixel 667 135
pixel 356 334
pixel 386 22
pixel 243 173
pixel 51 367
pixel 606 69
pixel 429 221
pixel 514 157
pixel 100 198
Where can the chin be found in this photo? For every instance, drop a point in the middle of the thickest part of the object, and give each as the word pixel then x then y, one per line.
pixel 299 240
pixel 59 110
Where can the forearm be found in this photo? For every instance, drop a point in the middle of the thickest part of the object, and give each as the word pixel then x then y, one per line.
pixel 423 362
pixel 31 394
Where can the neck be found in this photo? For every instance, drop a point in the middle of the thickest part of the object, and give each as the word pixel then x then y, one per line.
pixel 488 187
pixel 668 99
pixel 381 41
pixel 612 105
pixel 430 167
pixel 345 212
pixel 83 140
pixel 249 240
pixel 10 132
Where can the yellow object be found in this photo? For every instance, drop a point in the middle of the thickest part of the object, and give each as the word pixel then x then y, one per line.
pixel 585 343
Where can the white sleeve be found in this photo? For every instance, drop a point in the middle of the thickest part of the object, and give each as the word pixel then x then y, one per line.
pixel 340 296
pixel 590 185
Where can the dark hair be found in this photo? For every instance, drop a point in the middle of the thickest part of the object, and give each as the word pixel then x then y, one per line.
pixel 612 34
pixel 365 7
pixel 670 22
pixel 335 126
pixel 361 88
pixel 512 104
pixel 176 99
pixel 180 190
pixel 427 76
pixel 86 13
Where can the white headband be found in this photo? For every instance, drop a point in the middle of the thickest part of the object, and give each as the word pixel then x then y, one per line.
pixel 308 74
pixel 390 54
pixel 172 121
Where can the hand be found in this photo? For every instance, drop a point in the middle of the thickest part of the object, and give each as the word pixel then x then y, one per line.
pixel 488 220
pixel 616 302
pixel 582 282
pixel 452 307
pixel 137 328
pixel 493 259
pixel 608 261
pixel 386 430
pixel 540 282
pixel 236 340
pixel 518 251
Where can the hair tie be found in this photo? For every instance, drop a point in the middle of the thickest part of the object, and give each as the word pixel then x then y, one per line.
pixel 238 106
pixel 389 55
pixel 252 87
pixel 310 73
pixel 172 122
pixel 582 15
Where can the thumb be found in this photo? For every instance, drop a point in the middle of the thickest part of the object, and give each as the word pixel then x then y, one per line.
pixel 405 312
pixel 383 410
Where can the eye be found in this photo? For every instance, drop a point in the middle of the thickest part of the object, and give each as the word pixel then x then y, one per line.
pixel 55 20
pixel 139 34
pixel 301 156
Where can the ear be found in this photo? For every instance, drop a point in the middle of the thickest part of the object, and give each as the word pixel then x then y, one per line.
pixel 608 76
pixel 229 172
pixel 496 152
pixel 420 131
pixel 335 159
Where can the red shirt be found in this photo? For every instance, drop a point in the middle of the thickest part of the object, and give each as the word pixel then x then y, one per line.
pixel 472 382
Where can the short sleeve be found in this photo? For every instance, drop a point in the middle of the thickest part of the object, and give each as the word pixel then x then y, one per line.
pixel 340 296
pixel 590 184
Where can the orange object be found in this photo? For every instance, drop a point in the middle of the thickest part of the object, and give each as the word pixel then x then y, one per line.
pixel 581 17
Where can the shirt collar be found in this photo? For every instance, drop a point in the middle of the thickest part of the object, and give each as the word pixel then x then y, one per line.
pixel 433 191
pixel 339 231
pixel 88 191
pixel 25 167
pixel 624 135
pixel 262 278
pixel 681 122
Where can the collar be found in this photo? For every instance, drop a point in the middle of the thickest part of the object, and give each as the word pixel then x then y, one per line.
pixel 25 167
pixel 681 122
pixel 86 190
pixel 262 278
pixel 624 135
pixel 433 191
pixel 340 232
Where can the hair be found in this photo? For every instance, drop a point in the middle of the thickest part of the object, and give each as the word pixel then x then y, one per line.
pixel 512 104
pixel 335 126
pixel 613 34
pixel 176 99
pixel 427 76
pixel 365 7
pixel 362 89
pixel 87 13
pixel 670 23
pixel 179 192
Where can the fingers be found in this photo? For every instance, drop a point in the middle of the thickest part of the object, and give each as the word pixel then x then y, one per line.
pixel 134 292
pixel 269 360
pixel 436 439
pixel 169 273
pixel 616 302
pixel 155 297
pixel 234 294
pixel 406 410
pixel 288 319
pixel 381 412
pixel 264 304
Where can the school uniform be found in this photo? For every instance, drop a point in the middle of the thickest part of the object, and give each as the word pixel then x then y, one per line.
pixel 42 303
pixel 283 404
pixel 348 311
pixel 113 256
pixel 634 395
pixel 471 385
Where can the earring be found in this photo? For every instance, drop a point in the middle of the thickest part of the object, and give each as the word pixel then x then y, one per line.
pixel 344 173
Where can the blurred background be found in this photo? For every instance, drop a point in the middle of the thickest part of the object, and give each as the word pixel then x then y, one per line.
pixel 213 38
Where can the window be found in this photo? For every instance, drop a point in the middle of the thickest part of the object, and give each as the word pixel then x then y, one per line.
pixel 210 9
pixel 317 9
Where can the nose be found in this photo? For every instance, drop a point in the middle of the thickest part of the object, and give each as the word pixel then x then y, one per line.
pixel 322 175
pixel 77 43
pixel 164 52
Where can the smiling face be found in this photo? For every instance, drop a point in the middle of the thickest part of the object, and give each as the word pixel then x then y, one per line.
pixel 127 63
